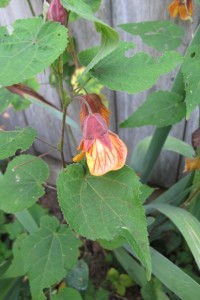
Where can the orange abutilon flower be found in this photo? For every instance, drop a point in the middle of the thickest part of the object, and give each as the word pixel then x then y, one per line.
pixel 103 149
pixel 182 7
pixel 94 102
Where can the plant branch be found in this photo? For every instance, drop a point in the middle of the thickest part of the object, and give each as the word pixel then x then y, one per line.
pixel 31 8
pixel 65 102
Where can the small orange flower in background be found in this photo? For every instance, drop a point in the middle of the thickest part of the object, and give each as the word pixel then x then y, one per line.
pixel 192 164
pixel 103 149
pixel 182 7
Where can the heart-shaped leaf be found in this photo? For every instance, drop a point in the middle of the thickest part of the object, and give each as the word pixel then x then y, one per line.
pixel 105 207
pixel 10 141
pixel 21 186
pixel 28 47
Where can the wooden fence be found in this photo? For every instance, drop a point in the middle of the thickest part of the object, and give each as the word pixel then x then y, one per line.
pixel 169 166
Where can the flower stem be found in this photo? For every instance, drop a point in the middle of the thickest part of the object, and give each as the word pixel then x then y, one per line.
pixel 65 102
pixel 31 7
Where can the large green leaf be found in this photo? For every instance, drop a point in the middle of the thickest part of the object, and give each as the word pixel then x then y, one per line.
pixel 162 35
pixel 162 108
pixel 48 254
pixel 10 141
pixel 172 144
pixel 28 48
pixel 105 207
pixel 121 72
pixel 190 69
pixel 188 225
pixel 109 36
pixel 174 278
pixel 21 186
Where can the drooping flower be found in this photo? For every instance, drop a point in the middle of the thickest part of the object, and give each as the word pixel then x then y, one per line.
pixel 93 103
pixel 56 12
pixel 103 149
pixel 182 7
pixel 192 164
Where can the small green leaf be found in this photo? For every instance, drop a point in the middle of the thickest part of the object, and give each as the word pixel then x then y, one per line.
pixel 190 69
pixel 28 47
pixel 153 290
pixel 118 71
pixel 109 36
pixel 67 293
pixel 172 144
pixel 162 35
pixel 11 141
pixel 188 225
pixel 21 186
pixel 162 108
pixel 78 276
pixel 105 207
pixel 48 254
pixel 4 3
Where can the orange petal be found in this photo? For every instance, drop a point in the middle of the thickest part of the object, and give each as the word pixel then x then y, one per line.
pixel 192 164
pixel 78 157
pixel 174 8
pixel 102 159
pixel 121 150
pixel 95 103
pixel 184 14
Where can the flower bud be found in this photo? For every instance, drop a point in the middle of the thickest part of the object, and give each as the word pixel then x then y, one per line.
pixel 196 139
pixel 56 12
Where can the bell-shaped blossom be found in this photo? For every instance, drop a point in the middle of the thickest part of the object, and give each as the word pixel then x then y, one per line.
pixel 103 149
pixel 92 103
pixel 182 7
pixel 57 12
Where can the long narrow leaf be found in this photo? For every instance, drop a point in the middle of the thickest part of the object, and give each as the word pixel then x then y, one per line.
pixel 188 225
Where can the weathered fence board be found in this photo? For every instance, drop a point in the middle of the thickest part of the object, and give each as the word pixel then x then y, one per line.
pixel 114 12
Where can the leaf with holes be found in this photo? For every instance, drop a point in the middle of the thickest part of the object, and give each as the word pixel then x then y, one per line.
pixel 53 250
pixel 21 186
pixel 10 141
pixel 109 36
pixel 162 35
pixel 190 69
pixel 28 47
pixel 162 108
pixel 119 72
pixel 105 207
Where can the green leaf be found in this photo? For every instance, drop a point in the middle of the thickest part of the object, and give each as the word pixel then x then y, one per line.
pixel 172 144
pixel 16 269
pixel 131 266
pixel 21 186
pixel 109 36
pixel 48 254
pixel 120 72
pixel 162 108
pixel 188 225
pixel 67 293
pixel 174 278
pixel 11 141
pixel 105 207
pixel 78 276
pixel 10 289
pixel 153 290
pixel 4 3
pixel 28 47
pixel 94 5
pixel 162 35
pixel 190 69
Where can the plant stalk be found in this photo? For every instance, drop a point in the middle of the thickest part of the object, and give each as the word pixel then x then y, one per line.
pixel 31 8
